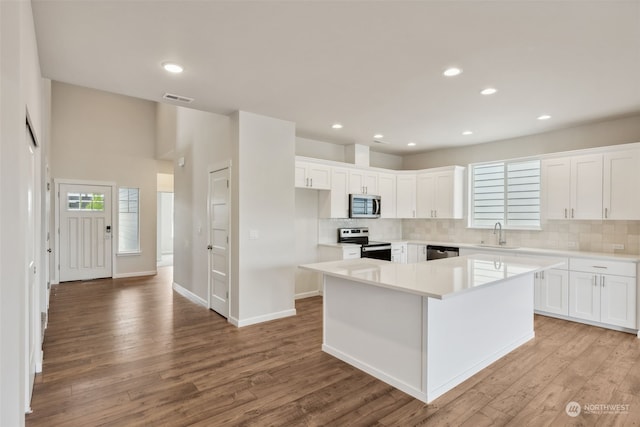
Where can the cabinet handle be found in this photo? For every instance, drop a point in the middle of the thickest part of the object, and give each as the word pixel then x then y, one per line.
pixel 602 280
pixel 535 275
pixel 595 280
pixel 311 182
pixel 599 266
pixel 606 213
pixel 565 212
pixel 572 215
pixel 542 275
pixel 435 213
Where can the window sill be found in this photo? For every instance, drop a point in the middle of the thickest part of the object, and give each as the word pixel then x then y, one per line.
pixel 134 253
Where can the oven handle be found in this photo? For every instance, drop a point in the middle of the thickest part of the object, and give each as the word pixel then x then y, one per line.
pixel 376 248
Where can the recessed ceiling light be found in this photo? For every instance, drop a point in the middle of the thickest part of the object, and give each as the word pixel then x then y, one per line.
pixel 336 126
pixel 467 132
pixel 488 91
pixel 544 117
pixel 378 136
pixel 172 67
pixel 453 71
pixel 411 144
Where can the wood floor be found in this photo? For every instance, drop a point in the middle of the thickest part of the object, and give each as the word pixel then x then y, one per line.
pixel 132 352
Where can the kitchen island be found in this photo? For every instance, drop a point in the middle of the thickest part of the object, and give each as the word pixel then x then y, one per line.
pixel 426 327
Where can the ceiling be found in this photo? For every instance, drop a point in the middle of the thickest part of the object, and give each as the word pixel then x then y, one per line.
pixel 373 66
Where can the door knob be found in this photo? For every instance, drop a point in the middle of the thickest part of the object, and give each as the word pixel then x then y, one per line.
pixel 49 250
pixel 209 247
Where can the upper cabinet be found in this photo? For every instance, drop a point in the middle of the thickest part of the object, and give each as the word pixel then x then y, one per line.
pixel 440 194
pixel 405 196
pixel 387 193
pixel 335 203
pixel 363 182
pixel 620 182
pixel 595 186
pixel 312 175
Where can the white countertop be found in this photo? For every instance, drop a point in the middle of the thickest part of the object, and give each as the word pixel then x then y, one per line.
pixel 439 279
pixel 527 251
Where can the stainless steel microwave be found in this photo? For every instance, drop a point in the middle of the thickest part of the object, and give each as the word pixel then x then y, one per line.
pixel 364 206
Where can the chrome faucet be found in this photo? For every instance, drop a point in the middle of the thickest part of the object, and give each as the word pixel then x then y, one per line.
pixel 501 239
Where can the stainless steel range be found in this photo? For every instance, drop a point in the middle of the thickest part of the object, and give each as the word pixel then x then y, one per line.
pixel 369 249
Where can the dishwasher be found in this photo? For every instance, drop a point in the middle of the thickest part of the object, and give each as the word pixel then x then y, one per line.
pixel 438 252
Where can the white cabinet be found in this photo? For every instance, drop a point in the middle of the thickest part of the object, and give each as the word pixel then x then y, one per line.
pixel 416 253
pixel 335 203
pixel 552 291
pixel 572 187
pixel 405 196
pixel 387 193
pixel 399 253
pixel 312 175
pixel 621 177
pixel 603 292
pixel 440 194
pixel 363 182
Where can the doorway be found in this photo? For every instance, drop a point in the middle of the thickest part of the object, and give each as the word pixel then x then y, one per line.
pixel 85 243
pixel 218 213
pixel 165 229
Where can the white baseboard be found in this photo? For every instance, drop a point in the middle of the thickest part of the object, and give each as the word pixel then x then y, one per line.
pixel 135 274
pixel 307 294
pixel 235 322
pixel 264 318
pixel 189 295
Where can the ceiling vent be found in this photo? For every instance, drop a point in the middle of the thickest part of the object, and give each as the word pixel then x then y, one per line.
pixel 379 141
pixel 177 98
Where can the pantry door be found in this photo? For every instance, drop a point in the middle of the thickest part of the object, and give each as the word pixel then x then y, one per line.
pixel 219 241
pixel 85 231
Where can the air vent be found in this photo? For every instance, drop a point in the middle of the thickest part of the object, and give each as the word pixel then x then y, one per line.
pixel 177 98
pixel 379 141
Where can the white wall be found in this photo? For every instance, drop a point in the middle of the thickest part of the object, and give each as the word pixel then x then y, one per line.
pixel 203 140
pixel 262 202
pixel 609 132
pixel 337 153
pixel 101 136
pixel 20 85
pixel 165 223
pixel 166 118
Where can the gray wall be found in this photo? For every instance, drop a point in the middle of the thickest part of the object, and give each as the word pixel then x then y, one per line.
pixel 609 132
pixel 336 152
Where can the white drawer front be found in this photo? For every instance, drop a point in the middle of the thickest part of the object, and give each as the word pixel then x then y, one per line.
pixel 617 268
pixel 351 253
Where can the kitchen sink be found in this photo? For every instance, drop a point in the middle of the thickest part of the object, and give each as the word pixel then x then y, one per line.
pixel 483 245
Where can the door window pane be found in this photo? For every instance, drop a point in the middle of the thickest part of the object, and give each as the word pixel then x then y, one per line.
pixel 85 202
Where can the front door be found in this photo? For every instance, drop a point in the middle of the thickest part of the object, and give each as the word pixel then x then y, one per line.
pixel 219 241
pixel 85 231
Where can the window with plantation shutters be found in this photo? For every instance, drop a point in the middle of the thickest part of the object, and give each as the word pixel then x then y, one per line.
pixel 506 192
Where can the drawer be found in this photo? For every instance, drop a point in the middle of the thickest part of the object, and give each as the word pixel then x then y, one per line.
pixel 565 261
pixel 351 253
pixel 598 266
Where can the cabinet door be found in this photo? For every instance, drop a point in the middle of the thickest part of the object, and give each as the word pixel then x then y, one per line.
pixel 337 204
pixel 406 196
pixel 356 182
pixel 554 291
pixel 387 193
pixel 425 195
pixel 556 188
pixel 584 296
pixel 444 195
pixel 301 175
pixel 621 178
pixel 319 176
pixel 413 253
pixel 371 183
pixel 618 303
pixel 586 187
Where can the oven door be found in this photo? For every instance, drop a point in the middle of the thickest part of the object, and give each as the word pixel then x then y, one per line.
pixel 377 252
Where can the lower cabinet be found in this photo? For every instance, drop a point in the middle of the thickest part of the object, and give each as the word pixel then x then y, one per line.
pixel 399 253
pixel 416 253
pixel 552 292
pixel 603 298
pixel 337 253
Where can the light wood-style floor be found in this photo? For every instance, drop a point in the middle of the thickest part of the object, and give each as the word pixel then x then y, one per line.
pixel 132 352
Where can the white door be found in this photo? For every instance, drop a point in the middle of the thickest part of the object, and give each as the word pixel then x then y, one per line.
pixel 85 231
pixel 586 187
pixel 618 300
pixel 405 196
pixel 425 195
pixel 621 178
pixel 556 188
pixel 219 241
pixel 554 291
pixel 32 311
pixel 444 194
pixel 584 296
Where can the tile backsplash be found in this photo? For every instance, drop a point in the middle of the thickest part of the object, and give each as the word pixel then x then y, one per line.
pixel 379 229
pixel 590 236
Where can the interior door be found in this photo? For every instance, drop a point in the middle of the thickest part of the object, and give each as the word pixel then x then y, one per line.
pixel 85 231
pixel 32 311
pixel 219 241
